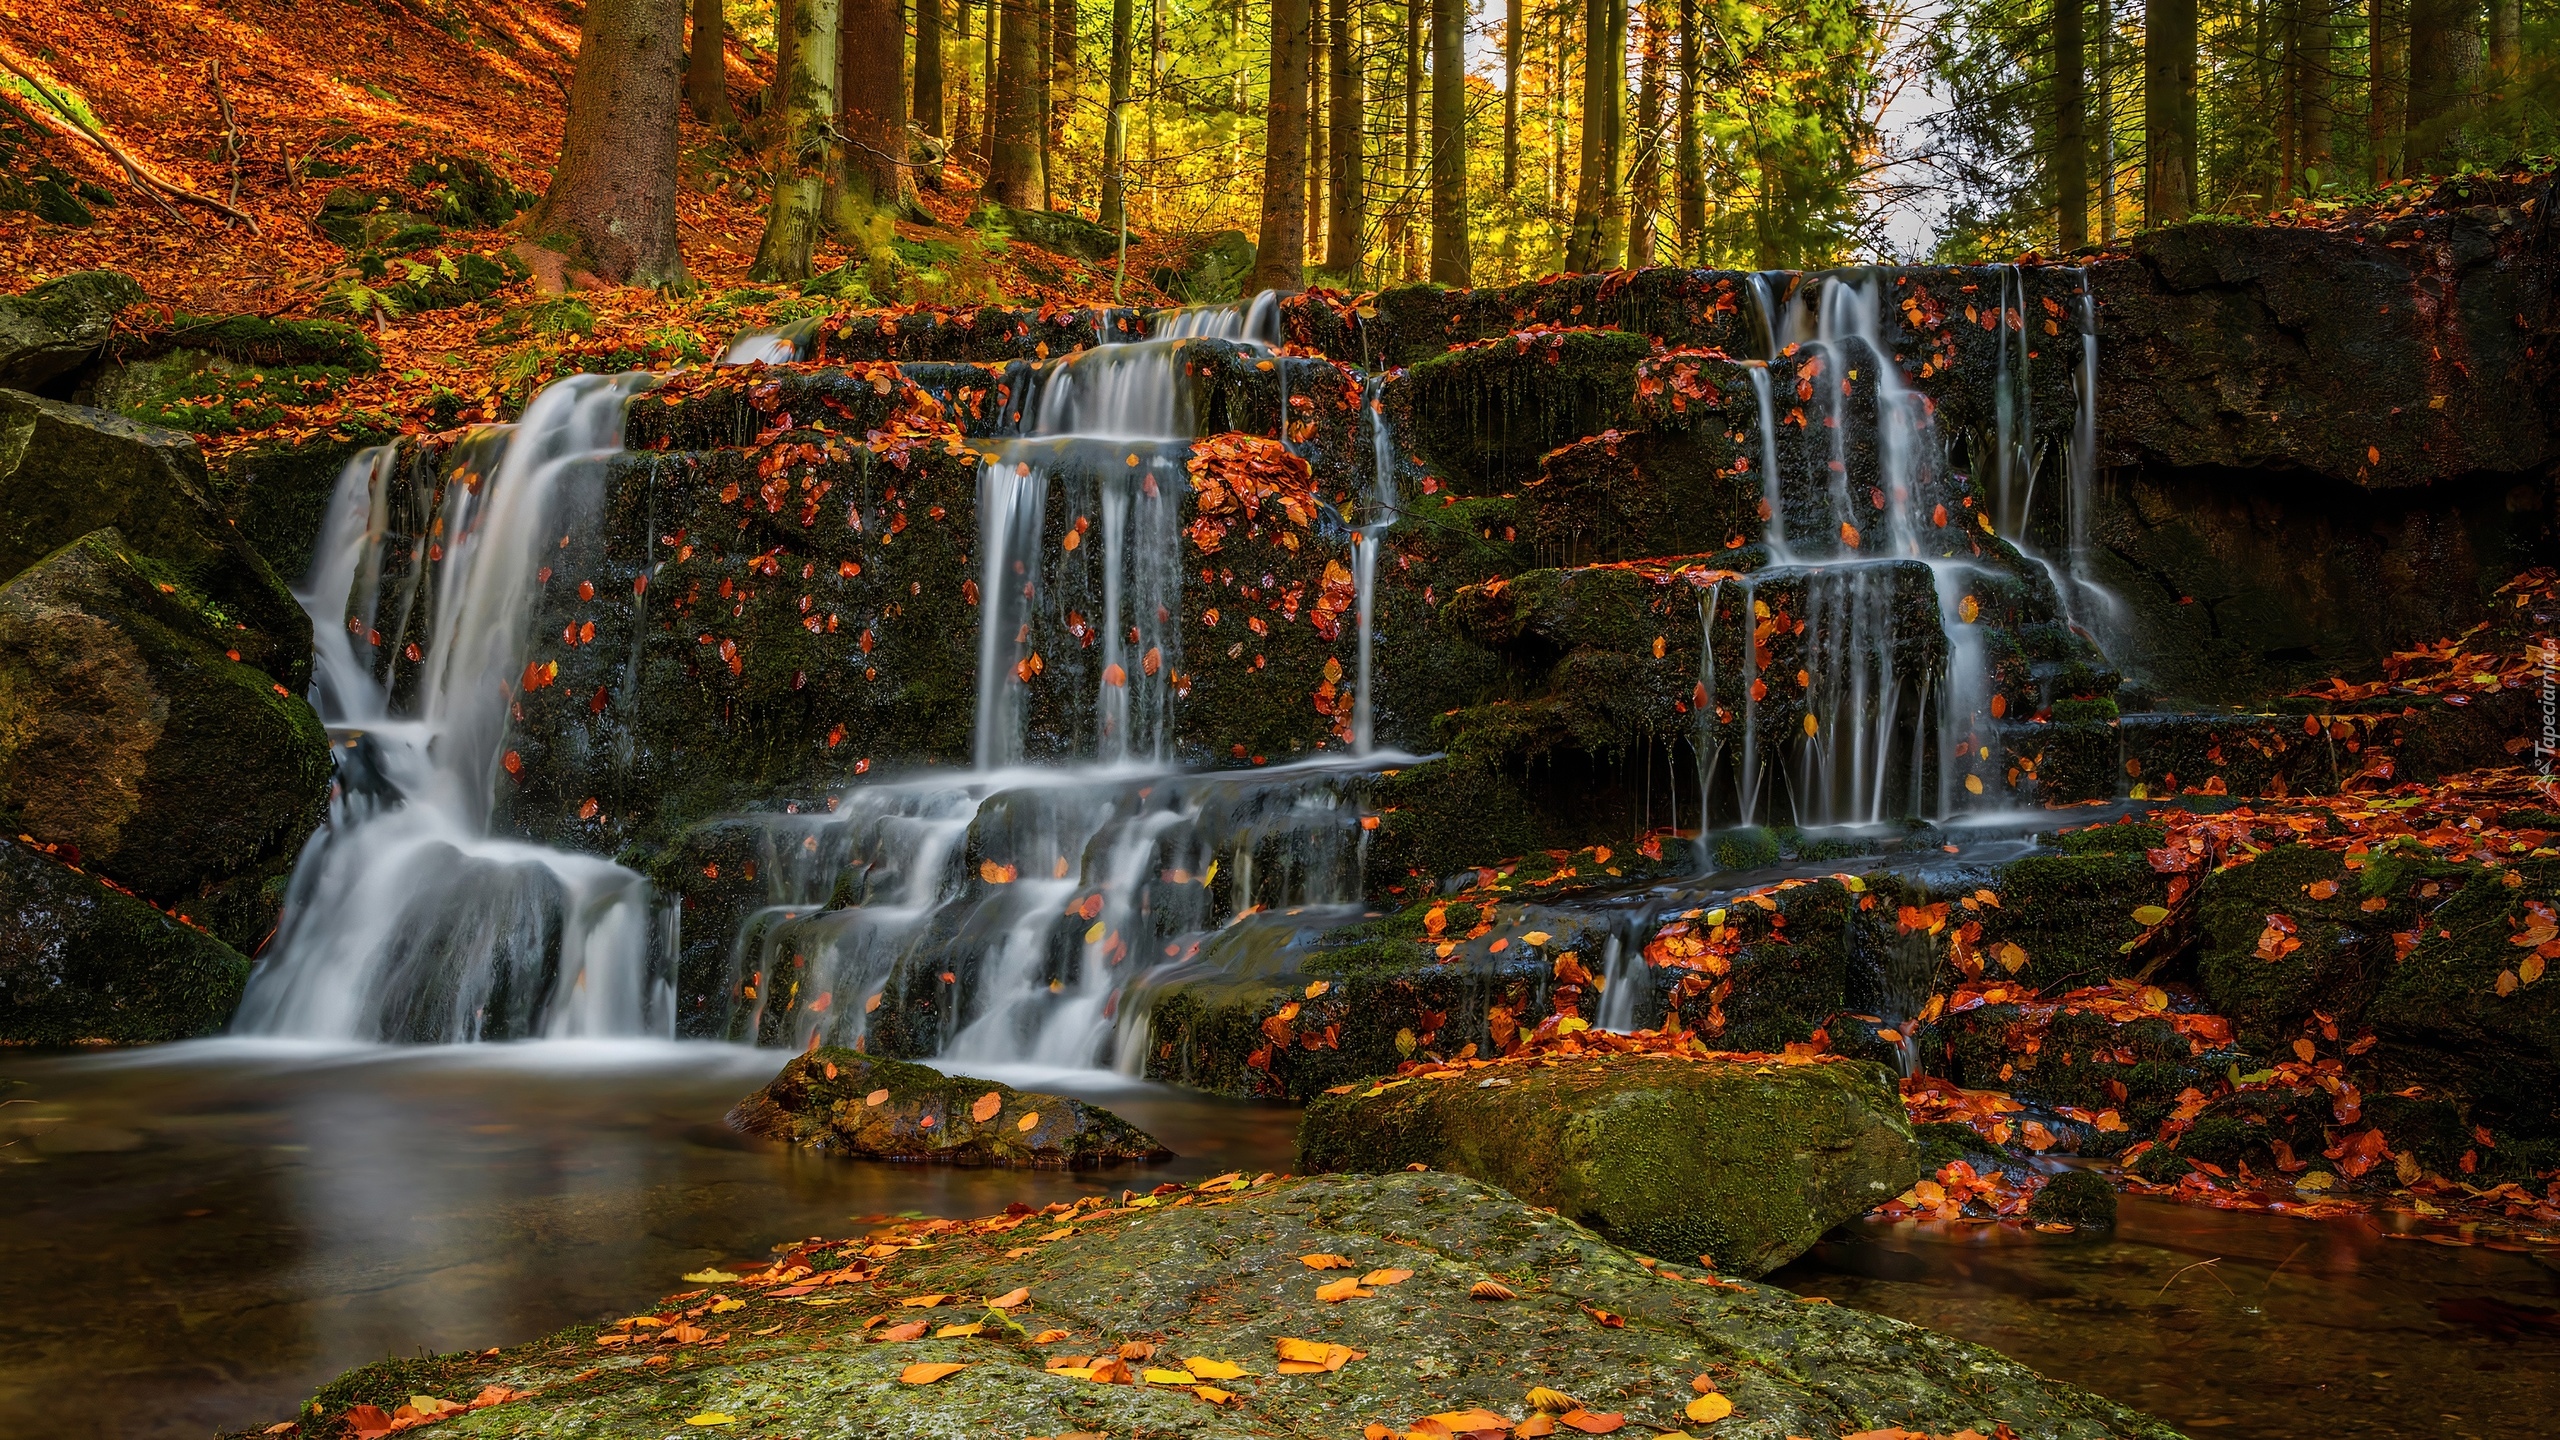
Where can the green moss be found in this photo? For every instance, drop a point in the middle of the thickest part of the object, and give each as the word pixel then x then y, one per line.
pixel 2340 957
pixel 259 340
pixel 1944 1142
pixel 1481 417
pixel 1749 847
pixel 2073 913
pixel 82 963
pixel 840 1101
pixel 2081 1198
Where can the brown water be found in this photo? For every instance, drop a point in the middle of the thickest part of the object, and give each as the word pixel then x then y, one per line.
pixel 194 1238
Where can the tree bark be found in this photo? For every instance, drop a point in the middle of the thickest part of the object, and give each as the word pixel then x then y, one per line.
pixel 1319 130
pixel 991 90
pixel 2070 126
pixel 1513 16
pixel 2387 59
pixel 1347 210
pixel 1596 197
pixel 2168 111
pixel 801 160
pixel 871 92
pixel 1409 157
pixel 611 207
pixel 928 111
pixel 1452 263
pixel 2506 29
pixel 962 115
pixel 1692 160
pixel 1063 23
pixel 1645 177
pixel 2319 115
pixel 1114 216
pixel 1014 132
pixel 2444 62
pixel 706 74
pixel 1278 262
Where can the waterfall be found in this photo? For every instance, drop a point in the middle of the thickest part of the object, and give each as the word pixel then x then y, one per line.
pixel 406 919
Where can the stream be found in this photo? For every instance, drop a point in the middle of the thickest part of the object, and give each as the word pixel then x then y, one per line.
pixel 212 1230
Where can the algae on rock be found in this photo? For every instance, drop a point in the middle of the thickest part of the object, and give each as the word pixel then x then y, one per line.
pixel 842 1102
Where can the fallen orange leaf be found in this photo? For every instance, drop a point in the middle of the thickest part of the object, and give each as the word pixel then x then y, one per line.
pixel 927 1373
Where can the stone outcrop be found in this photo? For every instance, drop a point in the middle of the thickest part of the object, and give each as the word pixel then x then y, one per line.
pixel 841 1102
pixel 82 962
pixel 1681 1158
pixel 55 328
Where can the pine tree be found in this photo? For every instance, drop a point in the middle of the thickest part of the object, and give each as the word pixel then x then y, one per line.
pixel 1279 262
pixel 1015 132
pixel 1451 261
pixel 611 207
pixel 2168 110
pixel 706 75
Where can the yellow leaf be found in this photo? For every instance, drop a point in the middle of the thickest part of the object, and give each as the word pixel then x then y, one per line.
pixel 2149 915
pixel 711 1417
pixel 986 1108
pixel 1537 937
pixel 926 1374
pixel 1208 1369
pixel 727 1303
pixel 1969 609
pixel 2529 969
pixel 1324 1262
pixel 875 1098
pixel 960 1332
pixel 1973 784
pixel 1046 1337
pixel 710 1277
pixel 2011 958
pixel 1340 1290
pixel 1010 1298
pixel 1811 725
pixel 1213 1394
pixel 2507 982
pixel 1318 987
pixel 1028 1123
pixel 1386 1277
pixel 1171 1377
pixel 1543 1398
pixel 923 1302
pixel 1707 1409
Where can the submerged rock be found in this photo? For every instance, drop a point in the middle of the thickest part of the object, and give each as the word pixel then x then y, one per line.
pixel 1207 1296
pixel 1747 1163
pixel 846 1103
pixel 81 962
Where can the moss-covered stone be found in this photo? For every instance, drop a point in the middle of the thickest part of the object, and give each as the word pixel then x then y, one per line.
pixel 2444 1022
pixel 841 1102
pixel 1217 1275
pixel 2079 1198
pixel 2072 912
pixel 56 327
pixel 1680 1158
pixel 1481 415
pixel 2269 979
pixel 134 739
pixel 81 962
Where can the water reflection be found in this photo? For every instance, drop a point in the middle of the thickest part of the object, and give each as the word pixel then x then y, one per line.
pixel 209 1231
pixel 2230 1325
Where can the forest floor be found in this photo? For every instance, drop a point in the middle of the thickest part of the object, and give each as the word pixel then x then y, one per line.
pixel 325 94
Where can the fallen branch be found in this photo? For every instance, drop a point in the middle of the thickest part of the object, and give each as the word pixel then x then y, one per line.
pixel 143 179
pixel 52 124
pixel 231 137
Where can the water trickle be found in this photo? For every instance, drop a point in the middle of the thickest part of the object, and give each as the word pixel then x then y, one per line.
pixel 406 918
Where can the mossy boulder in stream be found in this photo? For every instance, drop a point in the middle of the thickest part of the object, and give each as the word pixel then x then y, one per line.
pixel 82 962
pixel 846 1103
pixel 1215 1274
pixel 1745 1162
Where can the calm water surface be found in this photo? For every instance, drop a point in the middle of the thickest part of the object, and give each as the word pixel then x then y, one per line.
pixel 193 1238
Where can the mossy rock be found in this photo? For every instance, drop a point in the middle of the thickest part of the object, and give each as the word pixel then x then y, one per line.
pixel 373 220
pixel 2443 1022
pixel 2079 1198
pixel 2072 912
pixel 55 328
pixel 279 490
pixel 2340 950
pixel 1678 1158
pixel 83 963
pixel 68 470
pixel 463 190
pixel 841 1102
pixel 131 737
pixel 1482 416
pixel 1058 230
pixel 1214 272
pixel 1217 1275
pixel 195 390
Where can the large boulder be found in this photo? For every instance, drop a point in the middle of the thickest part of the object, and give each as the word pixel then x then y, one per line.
pixel 2457 1013
pixel 1213 1281
pixel 82 962
pixel 68 470
pixel 1748 1163
pixel 58 326
pixel 846 1103
pixel 136 737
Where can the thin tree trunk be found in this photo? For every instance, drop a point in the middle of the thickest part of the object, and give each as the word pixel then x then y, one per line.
pixel 2506 28
pixel 2106 126
pixel 2288 97
pixel 2319 93
pixel 1645 177
pixel 1406 201
pixel 777 93
pixel 706 75
pixel 1045 64
pixel 1115 125
pixel 2444 62
pixel 801 161
pixel 1559 91
pixel 962 115
pixel 871 94
pixel 2168 111
pixel 992 92
pixel 611 207
pixel 1319 130
pixel 1452 263
pixel 1595 197
pixel 2070 126
pixel 1692 161
pixel 2387 57
pixel 1063 23
pixel 928 113
pixel 1346 212
pixel 1512 18
pixel 1013 168
pixel 1278 263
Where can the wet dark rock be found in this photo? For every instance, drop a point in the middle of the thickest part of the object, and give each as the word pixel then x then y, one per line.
pixel 133 737
pixel 2270 979
pixel 861 1107
pixel 1218 1276
pixel 279 490
pixel 82 962
pixel 2443 1021
pixel 2079 1198
pixel 67 470
pixel 1743 1162
pixel 55 328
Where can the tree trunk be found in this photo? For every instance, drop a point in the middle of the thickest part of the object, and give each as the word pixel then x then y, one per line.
pixel 1692 162
pixel 2106 127
pixel 2444 62
pixel 1513 16
pixel 2506 28
pixel 2168 111
pixel 1063 23
pixel 1347 212
pixel 777 92
pixel 801 161
pixel 1043 65
pixel 611 208
pixel 928 112
pixel 2387 57
pixel 1596 198
pixel 1411 157
pixel 962 116
pixel 992 89
pixel 1319 130
pixel 1115 125
pixel 871 93
pixel 1013 164
pixel 2070 127
pixel 706 74
pixel 1645 177
pixel 1278 263
pixel 1451 261
pixel 2319 120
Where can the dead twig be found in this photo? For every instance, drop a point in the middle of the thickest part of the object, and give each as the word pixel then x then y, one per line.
pixel 52 124
pixel 150 184
pixel 231 137
pixel 2207 1266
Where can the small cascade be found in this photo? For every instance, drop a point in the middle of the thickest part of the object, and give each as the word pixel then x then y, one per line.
pixel 407 919
pixel 1383 502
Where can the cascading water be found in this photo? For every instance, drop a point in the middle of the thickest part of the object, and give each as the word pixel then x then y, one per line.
pixel 407 919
